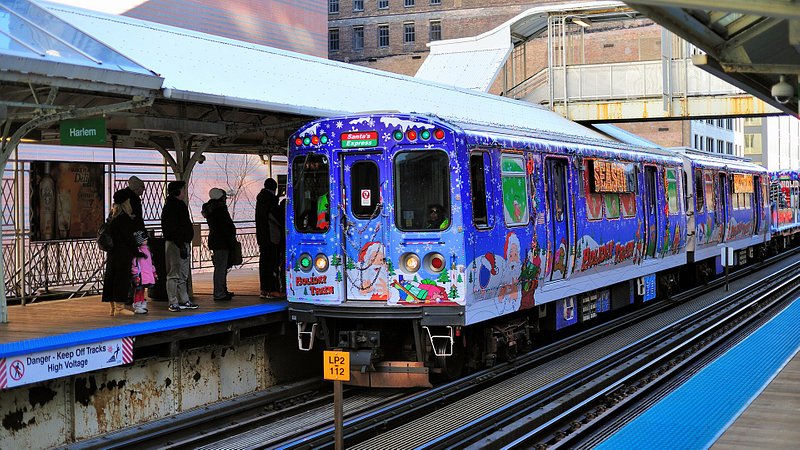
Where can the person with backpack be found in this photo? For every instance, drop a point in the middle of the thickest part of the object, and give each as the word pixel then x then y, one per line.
pixel 269 234
pixel 221 240
pixel 117 279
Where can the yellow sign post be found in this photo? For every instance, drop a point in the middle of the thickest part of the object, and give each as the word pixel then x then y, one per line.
pixel 337 368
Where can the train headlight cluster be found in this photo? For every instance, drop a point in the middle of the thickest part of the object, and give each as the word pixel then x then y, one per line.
pixel 413 135
pixel 311 140
pixel 410 262
pixel 434 262
pixel 321 262
pixel 304 262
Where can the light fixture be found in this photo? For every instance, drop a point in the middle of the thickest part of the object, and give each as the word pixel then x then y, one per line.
pixel 585 23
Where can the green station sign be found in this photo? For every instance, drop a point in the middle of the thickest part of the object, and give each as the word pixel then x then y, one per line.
pixel 83 132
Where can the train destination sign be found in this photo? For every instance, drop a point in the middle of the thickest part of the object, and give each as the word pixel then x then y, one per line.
pixel 611 177
pixel 359 139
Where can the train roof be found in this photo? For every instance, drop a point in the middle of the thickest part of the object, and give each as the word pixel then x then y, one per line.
pixel 719 161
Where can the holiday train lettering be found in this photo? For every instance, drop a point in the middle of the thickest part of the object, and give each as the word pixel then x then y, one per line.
pixel 307 281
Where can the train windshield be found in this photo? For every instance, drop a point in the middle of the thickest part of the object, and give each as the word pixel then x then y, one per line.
pixel 422 190
pixel 311 184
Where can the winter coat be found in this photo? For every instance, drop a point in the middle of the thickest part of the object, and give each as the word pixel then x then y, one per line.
pixel 143 267
pixel 117 280
pixel 266 204
pixel 221 230
pixel 176 224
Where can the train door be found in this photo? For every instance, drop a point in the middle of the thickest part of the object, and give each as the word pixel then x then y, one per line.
pixel 363 235
pixel 757 204
pixel 722 204
pixel 650 203
pixel 558 202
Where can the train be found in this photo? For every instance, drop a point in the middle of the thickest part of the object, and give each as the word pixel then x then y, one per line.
pixel 426 247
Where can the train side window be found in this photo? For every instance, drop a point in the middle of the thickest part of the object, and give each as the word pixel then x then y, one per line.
pixel 612 205
pixel 699 192
pixel 364 176
pixel 672 191
pixel 594 200
pixel 478 163
pixel 515 190
pixel 708 184
pixel 422 183
pixel 311 200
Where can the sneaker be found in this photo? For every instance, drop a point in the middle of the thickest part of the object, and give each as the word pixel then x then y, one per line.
pixel 188 305
pixel 175 308
pixel 264 295
pixel 140 310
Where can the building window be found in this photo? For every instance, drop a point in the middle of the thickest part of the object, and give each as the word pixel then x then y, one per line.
pixel 333 6
pixel 709 145
pixel 436 30
pixel 752 144
pixel 720 146
pixel 358 38
pixel 752 121
pixel 409 36
pixel 729 148
pixel 408 3
pixel 333 40
pixel 383 4
pixel 358 5
pixel 436 2
pixel 383 35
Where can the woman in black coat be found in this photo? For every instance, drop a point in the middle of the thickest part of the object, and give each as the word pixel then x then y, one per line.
pixel 117 280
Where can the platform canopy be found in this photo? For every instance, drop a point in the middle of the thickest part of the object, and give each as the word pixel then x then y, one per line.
pixel 475 62
pixel 750 44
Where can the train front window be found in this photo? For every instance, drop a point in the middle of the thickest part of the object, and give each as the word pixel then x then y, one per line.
pixel 311 184
pixel 422 190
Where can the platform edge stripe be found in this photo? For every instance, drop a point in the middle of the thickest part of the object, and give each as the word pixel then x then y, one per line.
pixel 137 329
pixel 3 380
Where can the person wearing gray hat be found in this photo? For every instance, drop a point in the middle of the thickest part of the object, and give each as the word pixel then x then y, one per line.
pixel 134 191
pixel 221 240
pixel 176 226
pixel 117 279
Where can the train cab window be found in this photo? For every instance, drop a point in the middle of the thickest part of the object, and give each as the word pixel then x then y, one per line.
pixel 422 190
pixel 478 165
pixel 672 191
pixel 365 190
pixel 515 190
pixel 708 185
pixel 311 199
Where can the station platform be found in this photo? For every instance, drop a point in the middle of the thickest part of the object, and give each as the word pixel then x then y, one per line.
pixel 748 398
pixel 52 325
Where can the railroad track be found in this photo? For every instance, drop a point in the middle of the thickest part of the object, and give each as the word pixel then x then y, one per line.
pixel 300 416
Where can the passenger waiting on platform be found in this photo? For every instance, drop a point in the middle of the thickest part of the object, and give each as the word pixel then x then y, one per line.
pixel 436 218
pixel 117 279
pixel 176 225
pixel 221 240
pixel 135 190
pixel 269 234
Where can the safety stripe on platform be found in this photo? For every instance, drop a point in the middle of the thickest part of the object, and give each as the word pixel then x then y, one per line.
pixel 135 329
pixel 695 415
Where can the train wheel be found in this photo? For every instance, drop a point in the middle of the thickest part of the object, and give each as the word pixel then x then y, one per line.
pixel 450 367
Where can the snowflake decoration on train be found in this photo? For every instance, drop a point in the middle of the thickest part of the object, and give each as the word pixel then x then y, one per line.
pixel 339 124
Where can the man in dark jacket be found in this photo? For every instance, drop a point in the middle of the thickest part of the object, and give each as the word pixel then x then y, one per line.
pixel 176 225
pixel 269 231
pixel 221 240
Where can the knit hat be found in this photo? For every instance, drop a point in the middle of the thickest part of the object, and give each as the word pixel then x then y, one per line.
pixel 174 187
pixel 135 182
pixel 121 196
pixel 216 194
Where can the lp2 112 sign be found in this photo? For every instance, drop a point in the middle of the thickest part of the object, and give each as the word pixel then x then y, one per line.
pixel 336 365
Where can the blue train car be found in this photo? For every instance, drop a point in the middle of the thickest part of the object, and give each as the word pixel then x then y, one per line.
pixel 785 207
pixel 729 209
pixel 433 245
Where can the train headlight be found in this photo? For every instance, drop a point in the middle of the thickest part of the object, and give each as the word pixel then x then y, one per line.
pixel 321 262
pixel 434 262
pixel 304 262
pixel 410 262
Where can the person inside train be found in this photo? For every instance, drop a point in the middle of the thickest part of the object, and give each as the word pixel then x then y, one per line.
pixel 437 219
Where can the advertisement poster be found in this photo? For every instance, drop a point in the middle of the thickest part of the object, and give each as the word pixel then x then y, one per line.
pixel 67 200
